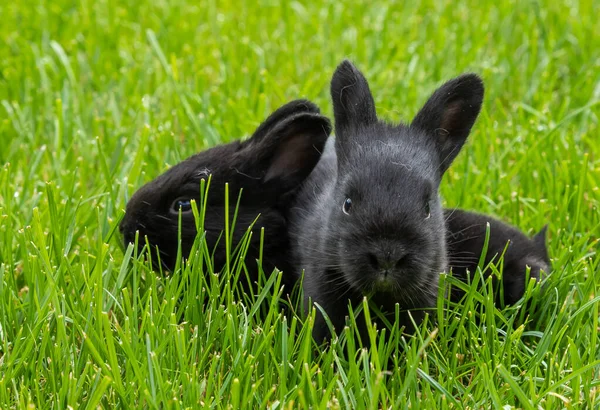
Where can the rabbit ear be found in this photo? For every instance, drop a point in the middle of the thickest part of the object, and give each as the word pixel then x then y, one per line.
pixel 283 113
pixel 449 114
pixel 353 104
pixel 289 149
pixel 539 239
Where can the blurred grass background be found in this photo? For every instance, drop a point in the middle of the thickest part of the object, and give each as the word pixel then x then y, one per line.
pixel 97 97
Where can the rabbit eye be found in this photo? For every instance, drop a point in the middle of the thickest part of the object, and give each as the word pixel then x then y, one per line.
pixel 427 209
pixel 184 204
pixel 347 206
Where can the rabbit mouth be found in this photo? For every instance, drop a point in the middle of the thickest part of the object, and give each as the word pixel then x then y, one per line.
pixel 390 281
pixel 385 281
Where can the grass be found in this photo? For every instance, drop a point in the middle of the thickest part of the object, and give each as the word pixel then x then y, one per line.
pixel 97 97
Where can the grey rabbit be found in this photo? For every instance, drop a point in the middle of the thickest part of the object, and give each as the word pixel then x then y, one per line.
pixel 369 221
pixel 269 167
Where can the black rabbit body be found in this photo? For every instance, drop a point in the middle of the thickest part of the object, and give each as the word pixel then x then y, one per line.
pixel 269 167
pixel 466 233
pixel 368 221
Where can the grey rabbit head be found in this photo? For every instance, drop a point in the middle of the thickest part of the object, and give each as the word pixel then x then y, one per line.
pixel 269 166
pixel 386 226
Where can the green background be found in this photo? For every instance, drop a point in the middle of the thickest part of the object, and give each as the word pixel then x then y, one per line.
pixel 98 97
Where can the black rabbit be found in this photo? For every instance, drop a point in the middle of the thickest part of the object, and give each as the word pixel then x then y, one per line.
pixel 269 167
pixel 466 233
pixel 369 221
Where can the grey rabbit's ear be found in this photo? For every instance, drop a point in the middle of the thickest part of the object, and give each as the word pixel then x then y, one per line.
pixel 449 114
pixel 353 104
pixel 290 146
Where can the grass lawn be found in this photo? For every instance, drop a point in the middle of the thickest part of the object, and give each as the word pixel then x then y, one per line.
pixel 98 97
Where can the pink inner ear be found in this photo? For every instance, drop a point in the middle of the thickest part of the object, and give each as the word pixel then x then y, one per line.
pixel 451 118
pixel 291 157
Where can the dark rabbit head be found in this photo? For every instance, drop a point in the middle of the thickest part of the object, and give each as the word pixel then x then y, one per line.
pixel 269 166
pixel 387 222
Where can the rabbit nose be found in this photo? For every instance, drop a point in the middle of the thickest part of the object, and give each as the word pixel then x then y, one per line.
pixel 386 260
pixel 129 237
pixel 128 229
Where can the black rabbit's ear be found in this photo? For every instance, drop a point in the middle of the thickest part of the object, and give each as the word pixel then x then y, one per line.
pixel 283 113
pixel 449 114
pixel 290 149
pixel 539 239
pixel 353 104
